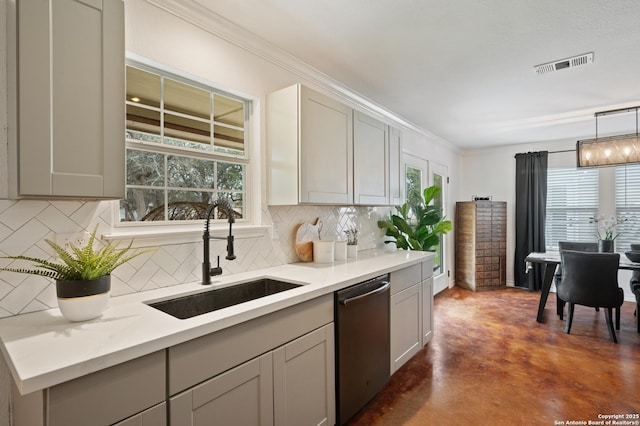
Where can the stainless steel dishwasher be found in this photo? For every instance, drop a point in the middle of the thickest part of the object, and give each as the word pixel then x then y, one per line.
pixel 362 344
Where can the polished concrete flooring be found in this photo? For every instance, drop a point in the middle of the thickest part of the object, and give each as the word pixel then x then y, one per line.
pixel 491 363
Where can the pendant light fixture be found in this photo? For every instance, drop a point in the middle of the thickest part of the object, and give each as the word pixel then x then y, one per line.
pixel 610 150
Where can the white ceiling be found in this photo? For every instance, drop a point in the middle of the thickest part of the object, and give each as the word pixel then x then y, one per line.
pixel 464 69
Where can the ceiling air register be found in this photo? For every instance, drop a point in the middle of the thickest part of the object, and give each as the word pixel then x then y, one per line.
pixel 610 150
pixel 575 61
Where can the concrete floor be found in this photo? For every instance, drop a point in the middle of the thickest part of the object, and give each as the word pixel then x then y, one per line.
pixel 491 363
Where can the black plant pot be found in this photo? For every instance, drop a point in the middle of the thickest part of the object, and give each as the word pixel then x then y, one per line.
pixel 605 246
pixel 83 300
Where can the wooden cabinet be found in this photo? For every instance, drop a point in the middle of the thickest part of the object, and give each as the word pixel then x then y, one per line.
pixel 370 160
pixel 481 244
pixel 67 127
pixel 309 148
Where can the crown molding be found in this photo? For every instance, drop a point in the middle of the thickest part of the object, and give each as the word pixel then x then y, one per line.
pixel 207 20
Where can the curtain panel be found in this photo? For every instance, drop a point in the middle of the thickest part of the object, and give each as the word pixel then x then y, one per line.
pixel 531 206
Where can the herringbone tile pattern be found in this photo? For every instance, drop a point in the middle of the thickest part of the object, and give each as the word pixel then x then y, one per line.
pixel 25 224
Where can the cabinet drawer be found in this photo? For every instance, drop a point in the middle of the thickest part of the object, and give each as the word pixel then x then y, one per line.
pixel 109 395
pixel 405 278
pixel 427 269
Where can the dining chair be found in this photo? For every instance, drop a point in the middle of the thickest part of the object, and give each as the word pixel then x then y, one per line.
pixel 570 245
pixel 591 279
pixel 634 284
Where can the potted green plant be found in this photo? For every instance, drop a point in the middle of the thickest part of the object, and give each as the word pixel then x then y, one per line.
pixel 83 277
pixel 417 226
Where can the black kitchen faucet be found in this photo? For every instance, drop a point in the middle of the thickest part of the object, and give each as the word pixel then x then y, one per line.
pixel 207 270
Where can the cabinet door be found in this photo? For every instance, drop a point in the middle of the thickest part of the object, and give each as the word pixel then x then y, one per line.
pixel 326 150
pixel 370 160
pixel 396 175
pixel 155 416
pixel 427 310
pixel 304 380
pixel 71 98
pixel 241 396
pixel 406 334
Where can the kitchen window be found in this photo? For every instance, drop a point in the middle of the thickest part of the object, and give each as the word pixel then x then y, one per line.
pixel 572 200
pixel 186 145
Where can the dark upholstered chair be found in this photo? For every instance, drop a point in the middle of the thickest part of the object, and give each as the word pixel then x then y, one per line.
pixel 591 279
pixel 634 284
pixel 570 245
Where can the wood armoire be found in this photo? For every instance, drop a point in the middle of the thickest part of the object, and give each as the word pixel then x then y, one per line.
pixel 481 244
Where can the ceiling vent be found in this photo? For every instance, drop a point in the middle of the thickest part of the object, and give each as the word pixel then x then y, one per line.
pixel 576 61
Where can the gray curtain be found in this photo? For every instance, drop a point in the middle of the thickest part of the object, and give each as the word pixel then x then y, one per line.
pixel 531 206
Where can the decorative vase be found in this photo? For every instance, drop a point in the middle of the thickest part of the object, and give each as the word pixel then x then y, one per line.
pixel 605 246
pixel 83 300
pixel 352 251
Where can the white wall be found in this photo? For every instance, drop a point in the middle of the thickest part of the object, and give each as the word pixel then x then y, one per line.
pixel 162 37
pixel 492 172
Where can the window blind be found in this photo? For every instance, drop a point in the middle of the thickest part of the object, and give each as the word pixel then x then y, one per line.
pixel 628 206
pixel 572 200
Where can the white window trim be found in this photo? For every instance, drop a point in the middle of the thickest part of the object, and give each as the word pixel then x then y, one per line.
pixel 154 234
pixel 180 234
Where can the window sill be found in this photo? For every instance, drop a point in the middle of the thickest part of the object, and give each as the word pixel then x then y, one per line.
pixel 164 235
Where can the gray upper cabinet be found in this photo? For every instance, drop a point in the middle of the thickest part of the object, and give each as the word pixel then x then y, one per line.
pixel 370 160
pixel 68 128
pixel 321 151
pixel 396 177
pixel 309 148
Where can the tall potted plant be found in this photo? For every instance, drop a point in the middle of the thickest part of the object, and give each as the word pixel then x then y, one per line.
pixel 418 226
pixel 83 277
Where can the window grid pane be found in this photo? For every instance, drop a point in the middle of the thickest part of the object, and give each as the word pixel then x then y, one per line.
pixel 628 206
pixel 185 147
pixel 572 200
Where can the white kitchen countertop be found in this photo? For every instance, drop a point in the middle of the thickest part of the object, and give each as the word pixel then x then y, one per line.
pixel 42 349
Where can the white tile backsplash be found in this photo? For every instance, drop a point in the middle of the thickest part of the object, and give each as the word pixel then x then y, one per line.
pixel 25 224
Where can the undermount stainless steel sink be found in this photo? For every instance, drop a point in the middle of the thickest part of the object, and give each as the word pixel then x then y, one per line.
pixel 208 301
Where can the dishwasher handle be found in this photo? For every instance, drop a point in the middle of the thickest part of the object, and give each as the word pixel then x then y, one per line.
pixel 385 285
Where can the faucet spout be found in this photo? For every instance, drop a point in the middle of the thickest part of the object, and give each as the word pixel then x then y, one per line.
pixel 207 271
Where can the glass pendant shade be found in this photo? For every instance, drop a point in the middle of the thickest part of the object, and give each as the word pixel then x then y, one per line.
pixel 609 151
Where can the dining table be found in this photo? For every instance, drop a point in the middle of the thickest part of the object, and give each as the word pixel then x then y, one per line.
pixel 551 260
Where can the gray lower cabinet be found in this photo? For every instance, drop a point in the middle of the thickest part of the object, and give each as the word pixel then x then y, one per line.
pixel 427 301
pixel 427 310
pixel 405 325
pixel 242 396
pixel 154 416
pixel 291 385
pixel 411 313
pixel 132 393
pixel 304 380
